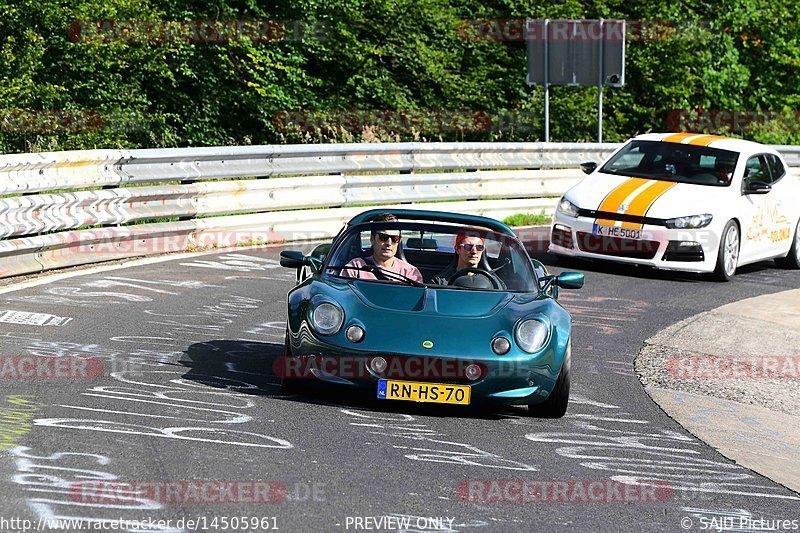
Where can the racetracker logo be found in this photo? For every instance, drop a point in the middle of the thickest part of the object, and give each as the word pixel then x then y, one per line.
pixel 734 367
pixel 727 120
pixel 40 367
pixel 194 31
pixel 391 367
pixel 50 120
pixel 394 120
pixel 563 491
pixel 96 242
pixel 192 492
pixel 561 31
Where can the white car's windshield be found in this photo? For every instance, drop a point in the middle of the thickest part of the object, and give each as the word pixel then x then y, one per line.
pixel 682 163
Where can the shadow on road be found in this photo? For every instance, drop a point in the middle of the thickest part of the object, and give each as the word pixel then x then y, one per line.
pixel 556 265
pixel 246 367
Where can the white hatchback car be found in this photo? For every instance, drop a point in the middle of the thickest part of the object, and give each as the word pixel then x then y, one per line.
pixel 684 201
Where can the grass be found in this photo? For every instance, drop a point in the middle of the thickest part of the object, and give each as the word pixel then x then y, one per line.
pixel 527 219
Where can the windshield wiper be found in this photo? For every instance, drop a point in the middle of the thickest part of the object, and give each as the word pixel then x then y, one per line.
pixel 379 271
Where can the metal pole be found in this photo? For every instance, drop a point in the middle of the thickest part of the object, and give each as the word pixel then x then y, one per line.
pixel 600 87
pixel 546 83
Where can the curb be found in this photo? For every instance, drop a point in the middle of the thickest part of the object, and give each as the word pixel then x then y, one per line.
pixel 731 377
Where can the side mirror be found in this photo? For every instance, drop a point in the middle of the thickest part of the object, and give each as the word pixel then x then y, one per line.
pixel 293 259
pixel 757 187
pixel 549 286
pixel 589 167
pixel 570 280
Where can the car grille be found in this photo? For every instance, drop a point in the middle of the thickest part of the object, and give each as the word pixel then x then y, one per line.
pixel 562 237
pixel 607 215
pixel 616 246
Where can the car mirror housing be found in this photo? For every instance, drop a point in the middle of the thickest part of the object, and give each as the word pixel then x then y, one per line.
pixel 588 167
pixel 293 259
pixel 570 280
pixel 757 187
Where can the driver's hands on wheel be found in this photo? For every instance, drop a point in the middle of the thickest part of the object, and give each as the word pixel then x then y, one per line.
pixel 476 278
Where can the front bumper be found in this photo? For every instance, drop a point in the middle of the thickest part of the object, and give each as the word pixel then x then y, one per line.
pixel 503 380
pixel 687 250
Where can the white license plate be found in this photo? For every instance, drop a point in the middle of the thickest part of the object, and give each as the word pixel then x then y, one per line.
pixel 615 231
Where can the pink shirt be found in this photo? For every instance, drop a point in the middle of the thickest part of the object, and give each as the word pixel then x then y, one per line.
pixel 401 267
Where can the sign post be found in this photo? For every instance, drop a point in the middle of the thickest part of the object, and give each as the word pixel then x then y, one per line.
pixel 575 53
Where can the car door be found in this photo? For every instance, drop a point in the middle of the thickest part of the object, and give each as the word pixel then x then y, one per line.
pixel 784 200
pixel 757 211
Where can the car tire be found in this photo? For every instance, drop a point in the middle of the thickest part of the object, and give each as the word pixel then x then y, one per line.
pixel 792 261
pixel 288 384
pixel 728 253
pixel 555 406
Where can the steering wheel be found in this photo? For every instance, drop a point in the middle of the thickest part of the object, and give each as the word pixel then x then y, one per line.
pixel 480 280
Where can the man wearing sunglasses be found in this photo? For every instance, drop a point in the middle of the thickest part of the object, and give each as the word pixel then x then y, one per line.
pixel 468 254
pixel 385 243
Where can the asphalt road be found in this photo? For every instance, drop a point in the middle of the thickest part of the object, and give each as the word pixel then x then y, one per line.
pixel 180 395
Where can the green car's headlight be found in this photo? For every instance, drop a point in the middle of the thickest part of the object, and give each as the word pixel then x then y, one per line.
pixel 532 334
pixel 567 207
pixel 327 318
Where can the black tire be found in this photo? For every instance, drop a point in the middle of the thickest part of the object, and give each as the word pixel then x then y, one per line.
pixel 555 406
pixel 792 261
pixel 287 384
pixel 728 252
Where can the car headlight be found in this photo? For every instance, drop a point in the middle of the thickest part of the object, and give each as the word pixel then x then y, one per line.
pixel 532 334
pixel 693 221
pixel 567 207
pixel 327 318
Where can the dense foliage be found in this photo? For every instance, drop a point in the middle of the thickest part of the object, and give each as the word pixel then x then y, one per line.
pixel 342 70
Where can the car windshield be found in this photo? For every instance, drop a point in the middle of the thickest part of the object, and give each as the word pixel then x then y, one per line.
pixel 435 255
pixel 682 163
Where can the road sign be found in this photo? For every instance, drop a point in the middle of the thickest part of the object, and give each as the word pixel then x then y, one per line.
pixel 576 53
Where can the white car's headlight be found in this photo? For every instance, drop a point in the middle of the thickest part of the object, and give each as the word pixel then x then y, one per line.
pixel 567 207
pixel 693 221
pixel 532 334
pixel 327 318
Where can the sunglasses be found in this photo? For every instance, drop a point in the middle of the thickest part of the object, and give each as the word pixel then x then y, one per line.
pixel 469 246
pixel 383 237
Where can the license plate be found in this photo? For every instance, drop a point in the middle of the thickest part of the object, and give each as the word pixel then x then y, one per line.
pixel 615 231
pixel 423 392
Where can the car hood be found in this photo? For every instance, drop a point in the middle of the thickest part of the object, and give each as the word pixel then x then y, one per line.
pixel 440 302
pixel 670 200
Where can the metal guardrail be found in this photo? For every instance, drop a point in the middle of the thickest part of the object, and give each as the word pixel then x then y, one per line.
pixel 113 187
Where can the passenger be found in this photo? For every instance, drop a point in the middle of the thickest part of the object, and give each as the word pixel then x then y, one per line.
pixel 385 244
pixel 468 250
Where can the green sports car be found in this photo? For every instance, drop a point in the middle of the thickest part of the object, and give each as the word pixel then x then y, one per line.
pixel 429 306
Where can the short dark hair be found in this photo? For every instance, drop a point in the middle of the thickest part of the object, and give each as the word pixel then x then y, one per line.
pixel 383 217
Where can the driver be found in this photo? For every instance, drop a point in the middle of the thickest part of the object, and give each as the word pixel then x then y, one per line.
pixel 723 169
pixel 468 254
pixel 384 248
